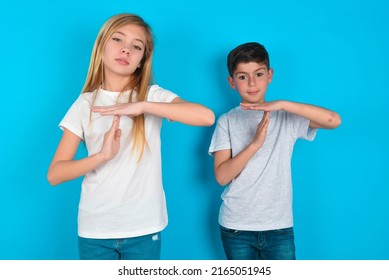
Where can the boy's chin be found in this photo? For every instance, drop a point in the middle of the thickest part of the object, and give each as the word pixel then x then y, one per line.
pixel 251 101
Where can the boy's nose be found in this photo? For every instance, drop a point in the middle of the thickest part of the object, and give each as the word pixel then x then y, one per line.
pixel 252 81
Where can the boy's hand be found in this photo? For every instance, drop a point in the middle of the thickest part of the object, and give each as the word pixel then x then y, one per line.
pixel 260 136
pixel 265 106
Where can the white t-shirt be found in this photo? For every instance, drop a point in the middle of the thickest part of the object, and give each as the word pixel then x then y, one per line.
pixel 121 198
pixel 260 197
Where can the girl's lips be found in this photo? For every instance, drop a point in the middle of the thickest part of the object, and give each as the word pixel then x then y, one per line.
pixel 122 61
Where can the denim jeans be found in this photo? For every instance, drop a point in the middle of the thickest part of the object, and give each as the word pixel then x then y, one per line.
pixel 258 245
pixel 147 247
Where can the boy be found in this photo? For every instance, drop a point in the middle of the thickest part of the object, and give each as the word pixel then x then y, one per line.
pixel 252 148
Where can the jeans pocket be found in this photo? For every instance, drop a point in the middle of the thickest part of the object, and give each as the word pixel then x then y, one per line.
pixel 229 232
pixel 285 231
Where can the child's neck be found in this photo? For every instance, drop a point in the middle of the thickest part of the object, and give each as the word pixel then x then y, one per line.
pixel 116 85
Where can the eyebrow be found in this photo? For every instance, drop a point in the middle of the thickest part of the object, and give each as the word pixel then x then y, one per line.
pixel 121 33
pixel 256 70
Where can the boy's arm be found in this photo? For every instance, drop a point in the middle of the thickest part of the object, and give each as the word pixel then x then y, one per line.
pixel 319 117
pixel 227 167
pixel 178 110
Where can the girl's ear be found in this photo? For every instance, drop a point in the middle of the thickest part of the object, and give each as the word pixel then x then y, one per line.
pixel 231 82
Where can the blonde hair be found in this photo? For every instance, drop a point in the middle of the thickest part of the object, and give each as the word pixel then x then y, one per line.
pixel 140 79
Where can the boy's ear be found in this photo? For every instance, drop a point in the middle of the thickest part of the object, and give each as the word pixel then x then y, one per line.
pixel 231 82
pixel 271 72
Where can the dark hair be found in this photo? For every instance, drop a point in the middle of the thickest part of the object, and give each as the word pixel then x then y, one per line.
pixel 248 52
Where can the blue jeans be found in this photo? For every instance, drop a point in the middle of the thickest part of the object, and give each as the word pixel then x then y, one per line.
pixel 147 247
pixel 258 245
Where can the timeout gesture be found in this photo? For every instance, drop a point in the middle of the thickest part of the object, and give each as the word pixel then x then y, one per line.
pixel 130 109
pixel 260 135
pixel 265 106
pixel 111 144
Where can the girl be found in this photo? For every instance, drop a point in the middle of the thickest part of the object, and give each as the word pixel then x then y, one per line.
pixel 119 114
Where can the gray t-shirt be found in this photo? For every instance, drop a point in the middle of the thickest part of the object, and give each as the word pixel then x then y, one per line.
pixel 260 197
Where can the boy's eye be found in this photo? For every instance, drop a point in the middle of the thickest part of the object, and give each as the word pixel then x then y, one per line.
pixel 259 74
pixel 242 77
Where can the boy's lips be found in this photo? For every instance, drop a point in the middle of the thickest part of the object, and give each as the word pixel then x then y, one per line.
pixel 252 92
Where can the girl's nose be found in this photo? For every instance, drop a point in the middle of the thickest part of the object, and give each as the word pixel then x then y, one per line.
pixel 126 50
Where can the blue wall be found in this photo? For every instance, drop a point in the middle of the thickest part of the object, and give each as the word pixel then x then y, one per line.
pixel 330 53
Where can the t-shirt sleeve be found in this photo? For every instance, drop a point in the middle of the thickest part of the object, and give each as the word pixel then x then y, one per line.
pixel 72 119
pixel 221 137
pixel 158 94
pixel 301 127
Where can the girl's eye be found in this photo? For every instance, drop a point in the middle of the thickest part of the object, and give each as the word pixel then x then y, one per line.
pixel 137 48
pixel 116 39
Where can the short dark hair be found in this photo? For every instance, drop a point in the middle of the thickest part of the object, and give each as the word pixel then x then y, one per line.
pixel 248 52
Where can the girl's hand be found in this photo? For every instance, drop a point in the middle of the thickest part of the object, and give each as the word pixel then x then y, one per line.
pixel 111 142
pixel 266 106
pixel 260 136
pixel 129 109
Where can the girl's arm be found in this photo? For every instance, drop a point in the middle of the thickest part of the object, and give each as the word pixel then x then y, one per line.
pixel 226 168
pixel 178 110
pixel 63 166
pixel 319 117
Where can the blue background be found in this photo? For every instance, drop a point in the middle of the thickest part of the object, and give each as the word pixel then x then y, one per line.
pixel 330 53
